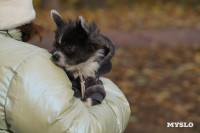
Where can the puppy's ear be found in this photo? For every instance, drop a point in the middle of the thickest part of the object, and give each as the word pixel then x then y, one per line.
pixel 82 27
pixel 57 18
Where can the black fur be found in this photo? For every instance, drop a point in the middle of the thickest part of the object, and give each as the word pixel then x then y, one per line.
pixel 75 43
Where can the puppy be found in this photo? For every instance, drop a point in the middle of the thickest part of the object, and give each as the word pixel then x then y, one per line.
pixel 79 47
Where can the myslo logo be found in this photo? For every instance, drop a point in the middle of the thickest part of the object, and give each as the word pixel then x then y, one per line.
pixel 180 124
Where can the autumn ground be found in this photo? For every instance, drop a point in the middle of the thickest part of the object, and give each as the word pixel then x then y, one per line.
pixel 157 63
pixel 161 84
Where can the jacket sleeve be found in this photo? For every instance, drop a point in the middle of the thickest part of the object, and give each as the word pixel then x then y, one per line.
pixel 40 100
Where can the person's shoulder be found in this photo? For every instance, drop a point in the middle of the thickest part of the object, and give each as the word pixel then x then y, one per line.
pixel 13 52
pixel 7 42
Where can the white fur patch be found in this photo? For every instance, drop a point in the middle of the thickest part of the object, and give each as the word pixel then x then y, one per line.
pixel 60 39
pixel 87 68
pixel 62 57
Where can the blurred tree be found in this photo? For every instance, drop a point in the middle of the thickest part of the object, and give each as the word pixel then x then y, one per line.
pixel 92 4
pixel 36 3
pixel 68 3
pixel 50 4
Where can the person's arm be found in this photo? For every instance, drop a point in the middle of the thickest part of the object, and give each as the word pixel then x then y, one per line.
pixel 40 100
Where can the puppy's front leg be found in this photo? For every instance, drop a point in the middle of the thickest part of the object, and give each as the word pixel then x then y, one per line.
pixel 88 102
pixel 94 95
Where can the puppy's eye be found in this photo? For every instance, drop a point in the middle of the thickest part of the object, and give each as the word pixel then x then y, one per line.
pixel 55 44
pixel 69 48
pixel 64 43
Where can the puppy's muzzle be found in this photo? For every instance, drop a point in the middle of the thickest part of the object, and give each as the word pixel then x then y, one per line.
pixel 55 57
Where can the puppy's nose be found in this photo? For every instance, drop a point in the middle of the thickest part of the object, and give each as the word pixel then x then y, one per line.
pixel 55 57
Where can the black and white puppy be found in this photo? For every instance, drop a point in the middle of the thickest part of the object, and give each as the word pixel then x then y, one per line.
pixel 80 47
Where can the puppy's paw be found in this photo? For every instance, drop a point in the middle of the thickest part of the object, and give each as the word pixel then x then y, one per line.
pixel 90 102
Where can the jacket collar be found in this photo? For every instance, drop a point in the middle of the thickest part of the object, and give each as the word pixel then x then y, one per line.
pixel 12 33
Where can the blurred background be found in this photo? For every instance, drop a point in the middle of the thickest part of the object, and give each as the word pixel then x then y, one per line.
pixel 157 61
